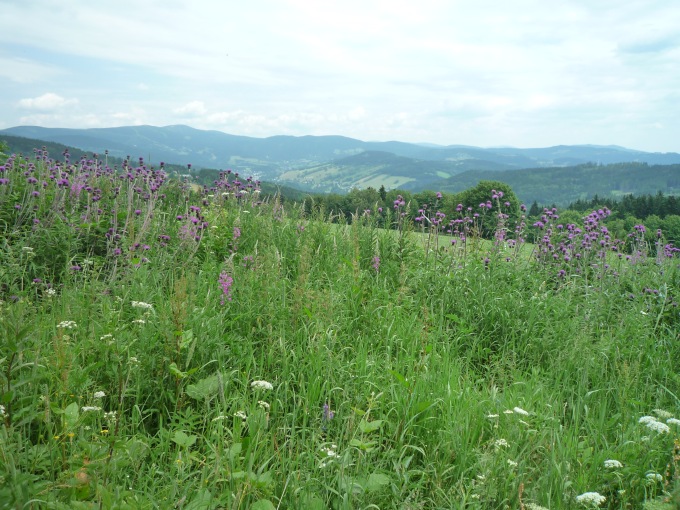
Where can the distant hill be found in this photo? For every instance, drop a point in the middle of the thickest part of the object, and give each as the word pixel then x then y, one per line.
pixel 338 163
pixel 563 185
pixel 26 146
pixel 377 168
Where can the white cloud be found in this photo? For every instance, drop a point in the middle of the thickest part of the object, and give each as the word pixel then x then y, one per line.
pixel 526 73
pixel 47 102
pixel 191 109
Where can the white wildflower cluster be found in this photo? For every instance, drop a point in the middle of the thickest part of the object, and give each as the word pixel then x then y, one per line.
pixel 654 477
pixel 133 361
pixel 87 409
pixel 492 416
pixel 612 464
pixel 512 463
pixel 264 405
pixel 111 416
pixel 241 414
pixel 28 251
pixel 500 443
pixel 2 410
pixel 106 337
pixel 99 394
pixel 534 506
pixel 50 292
pixel 67 325
pixel 591 499
pixel 521 411
pixel 673 421
pixel 139 321
pixel 662 413
pixel 653 424
pixel 330 452
pixel 142 304
pixel 261 385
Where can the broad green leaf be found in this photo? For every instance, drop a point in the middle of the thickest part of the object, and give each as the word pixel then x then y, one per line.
pixel 399 377
pixel 71 414
pixel 366 446
pixel 187 338
pixel 312 502
pixel 184 440
pixel 174 370
pixel 376 481
pixel 370 426
pixel 202 501
pixel 263 504
pixel 204 389
pixel 264 479
pixel 235 451
pixel 422 406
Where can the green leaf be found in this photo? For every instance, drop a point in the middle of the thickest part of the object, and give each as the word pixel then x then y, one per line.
pixel 264 480
pixel 234 451
pixel 370 426
pixel 202 501
pixel 312 502
pixel 187 338
pixel 174 370
pixel 263 504
pixel 204 389
pixel 184 440
pixel 71 414
pixel 422 406
pixel 453 318
pixel 376 481
pixel 366 446
pixel 399 378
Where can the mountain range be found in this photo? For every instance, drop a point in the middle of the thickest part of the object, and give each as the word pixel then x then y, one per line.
pixel 335 163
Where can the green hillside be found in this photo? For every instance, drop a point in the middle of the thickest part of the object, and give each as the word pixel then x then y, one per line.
pixel 567 184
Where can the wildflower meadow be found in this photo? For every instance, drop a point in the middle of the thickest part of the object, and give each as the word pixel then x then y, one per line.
pixel 164 345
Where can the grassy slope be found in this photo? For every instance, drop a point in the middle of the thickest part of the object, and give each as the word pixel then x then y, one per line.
pixel 450 381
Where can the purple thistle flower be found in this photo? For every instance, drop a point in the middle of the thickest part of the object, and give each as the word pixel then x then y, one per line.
pixel 326 416
pixel 225 281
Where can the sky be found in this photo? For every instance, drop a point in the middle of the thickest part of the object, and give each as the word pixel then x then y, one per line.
pixel 521 73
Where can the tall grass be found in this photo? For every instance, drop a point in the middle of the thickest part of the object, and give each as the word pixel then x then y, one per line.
pixel 167 348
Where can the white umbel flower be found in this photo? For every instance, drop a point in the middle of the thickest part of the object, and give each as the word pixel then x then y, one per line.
pixel 142 304
pixel 655 425
pixel 591 499
pixel 261 385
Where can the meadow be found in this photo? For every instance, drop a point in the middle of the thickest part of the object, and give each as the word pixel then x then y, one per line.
pixel 167 347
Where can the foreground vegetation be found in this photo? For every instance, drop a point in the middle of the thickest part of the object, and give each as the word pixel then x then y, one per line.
pixel 163 348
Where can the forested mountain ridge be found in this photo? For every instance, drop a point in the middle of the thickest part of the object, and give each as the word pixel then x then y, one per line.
pixel 270 158
pixel 321 164
pixel 563 185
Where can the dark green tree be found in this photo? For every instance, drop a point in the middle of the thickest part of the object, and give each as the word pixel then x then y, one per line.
pixel 502 200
